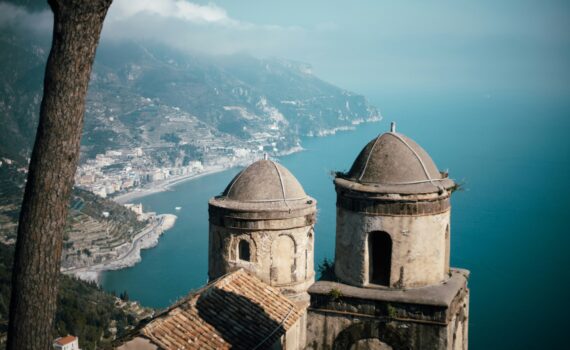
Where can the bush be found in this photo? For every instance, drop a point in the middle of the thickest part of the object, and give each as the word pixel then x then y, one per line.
pixel 335 294
pixel 326 271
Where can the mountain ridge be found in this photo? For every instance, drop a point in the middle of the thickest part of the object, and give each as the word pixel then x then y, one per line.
pixel 235 96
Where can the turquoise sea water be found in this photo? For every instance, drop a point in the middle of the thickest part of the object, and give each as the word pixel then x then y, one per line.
pixel 509 226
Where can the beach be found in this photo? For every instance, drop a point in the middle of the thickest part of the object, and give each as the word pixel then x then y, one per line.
pixel 164 185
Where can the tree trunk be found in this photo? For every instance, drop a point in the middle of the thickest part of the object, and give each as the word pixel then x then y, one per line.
pixel 35 276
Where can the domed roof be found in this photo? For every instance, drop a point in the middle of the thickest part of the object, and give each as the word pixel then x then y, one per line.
pixel 394 163
pixel 265 181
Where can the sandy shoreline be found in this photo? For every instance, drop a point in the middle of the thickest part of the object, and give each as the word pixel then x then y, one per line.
pixel 147 238
pixel 163 185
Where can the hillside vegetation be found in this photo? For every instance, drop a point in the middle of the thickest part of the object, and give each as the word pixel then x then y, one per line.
pixel 83 309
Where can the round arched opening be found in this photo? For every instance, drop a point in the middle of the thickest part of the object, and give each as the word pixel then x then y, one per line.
pixel 370 344
pixel 369 335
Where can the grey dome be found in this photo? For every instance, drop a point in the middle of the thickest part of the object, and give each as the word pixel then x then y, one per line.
pixel 394 163
pixel 264 181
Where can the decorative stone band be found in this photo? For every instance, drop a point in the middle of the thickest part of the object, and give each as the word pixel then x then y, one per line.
pixel 253 221
pixel 374 205
pixel 404 188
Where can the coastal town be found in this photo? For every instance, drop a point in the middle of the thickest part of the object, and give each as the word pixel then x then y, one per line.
pixel 121 171
pixel 124 170
pixel 107 228
pixel 173 145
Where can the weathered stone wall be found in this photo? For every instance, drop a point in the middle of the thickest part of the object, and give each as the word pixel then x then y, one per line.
pixel 281 258
pixel 457 337
pixel 420 253
pixel 341 322
pixel 295 338
pixel 328 330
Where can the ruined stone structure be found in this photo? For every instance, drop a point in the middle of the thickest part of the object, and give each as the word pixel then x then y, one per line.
pixel 395 289
pixel 263 222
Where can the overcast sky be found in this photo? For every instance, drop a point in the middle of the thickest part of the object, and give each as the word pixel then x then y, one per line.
pixel 370 45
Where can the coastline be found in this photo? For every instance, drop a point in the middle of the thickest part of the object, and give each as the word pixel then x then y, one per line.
pixel 149 236
pixel 164 185
pixel 145 239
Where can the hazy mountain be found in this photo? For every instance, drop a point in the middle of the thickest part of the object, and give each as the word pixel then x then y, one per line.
pixel 149 95
pixel 175 106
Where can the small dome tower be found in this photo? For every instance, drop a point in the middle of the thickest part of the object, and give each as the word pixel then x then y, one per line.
pixel 263 222
pixel 393 215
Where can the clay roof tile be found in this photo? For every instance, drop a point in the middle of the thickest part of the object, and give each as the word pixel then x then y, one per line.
pixel 237 311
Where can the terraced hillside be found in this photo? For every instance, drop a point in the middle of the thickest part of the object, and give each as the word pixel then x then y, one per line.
pixel 96 228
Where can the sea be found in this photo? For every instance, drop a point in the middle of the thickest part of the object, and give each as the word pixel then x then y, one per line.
pixel 510 222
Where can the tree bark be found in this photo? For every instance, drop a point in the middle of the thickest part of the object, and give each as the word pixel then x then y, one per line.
pixel 35 276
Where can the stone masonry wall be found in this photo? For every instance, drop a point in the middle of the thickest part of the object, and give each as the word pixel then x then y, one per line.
pixel 419 247
pixel 281 258
pixel 338 322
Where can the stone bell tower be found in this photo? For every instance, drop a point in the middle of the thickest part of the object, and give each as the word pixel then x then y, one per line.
pixel 263 222
pixel 393 216
pixel 392 256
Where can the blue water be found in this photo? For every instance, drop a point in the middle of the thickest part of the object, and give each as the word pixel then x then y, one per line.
pixel 509 225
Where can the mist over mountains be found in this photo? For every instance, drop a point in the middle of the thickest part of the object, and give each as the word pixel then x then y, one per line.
pixel 145 94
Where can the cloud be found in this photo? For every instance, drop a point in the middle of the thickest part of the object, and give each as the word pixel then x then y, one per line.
pixel 176 9
pixel 181 24
pixel 466 44
pixel 198 28
pixel 18 17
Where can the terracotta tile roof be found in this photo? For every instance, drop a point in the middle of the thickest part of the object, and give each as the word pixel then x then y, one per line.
pixel 237 311
pixel 65 340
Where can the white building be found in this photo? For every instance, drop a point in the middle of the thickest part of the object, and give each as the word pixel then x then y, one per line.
pixel 137 208
pixel 69 342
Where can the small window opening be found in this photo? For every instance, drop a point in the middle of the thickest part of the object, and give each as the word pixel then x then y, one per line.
pixel 243 251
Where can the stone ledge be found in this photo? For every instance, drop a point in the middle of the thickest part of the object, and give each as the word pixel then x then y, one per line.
pixel 441 294
pixel 408 189
pixel 234 210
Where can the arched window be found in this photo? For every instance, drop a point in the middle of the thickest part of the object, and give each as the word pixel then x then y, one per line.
pixel 379 257
pixel 244 251
pixel 283 261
